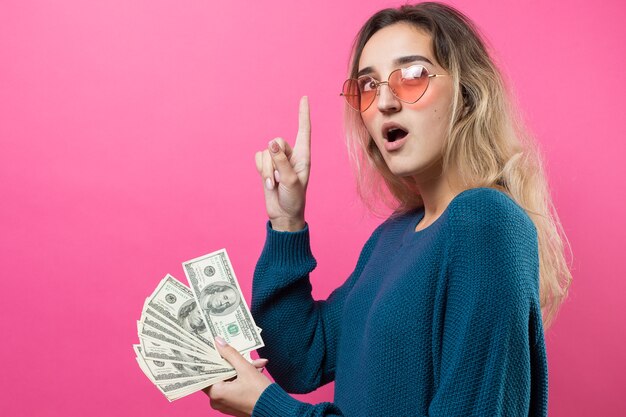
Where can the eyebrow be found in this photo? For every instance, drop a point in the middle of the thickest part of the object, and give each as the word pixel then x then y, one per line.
pixel 398 61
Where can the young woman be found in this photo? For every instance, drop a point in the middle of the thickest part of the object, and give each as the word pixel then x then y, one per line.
pixel 442 315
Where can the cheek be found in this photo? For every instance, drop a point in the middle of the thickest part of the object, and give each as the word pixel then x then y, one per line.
pixel 434 102
pixel 434 113
pixel 368 121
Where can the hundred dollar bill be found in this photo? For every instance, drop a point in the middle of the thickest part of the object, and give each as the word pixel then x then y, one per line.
pixel 167 371
pixel 175 394
pixel 178 389
pixel 179 393
pixel 146 331
pixel 164 352
pixel 157 322
pixel 175 303
pixel 144 340
pixel 174 391
pixel 167 388
pixel 213 282
pixel 170 329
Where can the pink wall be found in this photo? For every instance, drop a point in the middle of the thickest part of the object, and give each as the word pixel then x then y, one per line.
pixel 127 143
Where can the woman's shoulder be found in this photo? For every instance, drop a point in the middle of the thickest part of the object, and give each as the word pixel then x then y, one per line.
pixel 489 229
pixel 491 214
pixel 484 206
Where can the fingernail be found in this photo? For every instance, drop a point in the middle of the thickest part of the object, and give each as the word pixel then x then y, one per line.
pixel 274 146
pixel 268 184
pixel 220 341
pixel 277 175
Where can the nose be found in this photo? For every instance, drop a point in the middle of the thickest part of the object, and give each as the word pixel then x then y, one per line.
pixel 387 102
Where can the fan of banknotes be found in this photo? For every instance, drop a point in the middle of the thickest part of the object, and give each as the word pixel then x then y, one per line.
pixel 178 325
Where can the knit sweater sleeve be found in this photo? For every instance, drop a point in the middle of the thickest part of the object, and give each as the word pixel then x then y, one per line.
pixel 300 333
pixel 492 356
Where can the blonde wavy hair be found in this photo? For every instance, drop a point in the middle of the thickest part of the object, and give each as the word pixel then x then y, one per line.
pixel 486 139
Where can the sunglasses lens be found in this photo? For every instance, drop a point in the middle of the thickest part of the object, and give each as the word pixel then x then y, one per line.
pixel 367 90
pixel 351 93
pixel 409 84
pixel 359 93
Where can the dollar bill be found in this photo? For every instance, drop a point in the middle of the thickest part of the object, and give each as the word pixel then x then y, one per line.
pixel 165 352
pixel 186 390
pixel 144 340
pixel 170 388
pixel 176 331
pixel 168 371
pixel 175 304
pixel 155 321
pixel 146 331
pixel 174 390
pixel 170 329
pixel 215 287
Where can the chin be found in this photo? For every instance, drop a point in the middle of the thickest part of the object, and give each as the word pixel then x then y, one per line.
pixel 400 171
pixel 410 168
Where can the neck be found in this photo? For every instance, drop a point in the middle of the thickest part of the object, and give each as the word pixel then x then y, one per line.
pixel 437 191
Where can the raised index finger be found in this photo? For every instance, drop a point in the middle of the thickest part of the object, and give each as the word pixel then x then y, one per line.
pixel 303 139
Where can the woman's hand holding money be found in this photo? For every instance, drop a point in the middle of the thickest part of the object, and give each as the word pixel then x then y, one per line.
pixel 238 396
pixel 285 174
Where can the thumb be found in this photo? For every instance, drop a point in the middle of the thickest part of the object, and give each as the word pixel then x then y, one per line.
pixel 286 171
pixel 231 355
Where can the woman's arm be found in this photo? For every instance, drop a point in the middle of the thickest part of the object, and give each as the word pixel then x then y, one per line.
pixel 275 402
pixel 300 334
pixel 491 350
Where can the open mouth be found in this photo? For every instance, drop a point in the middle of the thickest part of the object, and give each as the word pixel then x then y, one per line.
pixel 395 134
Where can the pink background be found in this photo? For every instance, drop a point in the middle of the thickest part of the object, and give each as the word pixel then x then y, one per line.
pixel 127 139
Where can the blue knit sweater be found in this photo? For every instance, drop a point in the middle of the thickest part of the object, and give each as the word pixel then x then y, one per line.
pixel 445 321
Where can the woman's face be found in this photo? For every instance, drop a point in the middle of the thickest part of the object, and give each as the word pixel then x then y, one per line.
pixel 419 153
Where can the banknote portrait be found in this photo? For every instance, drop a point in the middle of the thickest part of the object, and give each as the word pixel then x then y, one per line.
pixel 219 298
pixel 190 318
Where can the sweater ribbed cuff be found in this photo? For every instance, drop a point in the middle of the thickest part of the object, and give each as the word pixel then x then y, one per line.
pixel 287 248
pixel 275 402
